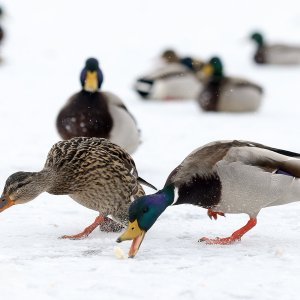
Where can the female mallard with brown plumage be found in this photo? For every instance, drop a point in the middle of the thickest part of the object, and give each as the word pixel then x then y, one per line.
pixel 92 171
pixel 276 54
pixel 227 94
pixel 94 113
pixel 176 78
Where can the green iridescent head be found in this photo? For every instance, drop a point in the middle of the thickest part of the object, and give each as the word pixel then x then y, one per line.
pixel 143 213
pixel 258 38
pixel 214 68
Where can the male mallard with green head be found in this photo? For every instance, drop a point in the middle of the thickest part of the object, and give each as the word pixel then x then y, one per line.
pixel 227 94
pixel 277 54
pixel 175 79
pixel 92 171
pixel 224 177
pixel 94 113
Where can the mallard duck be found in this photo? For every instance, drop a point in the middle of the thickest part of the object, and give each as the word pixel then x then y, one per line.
pixel 223 177
pixel 1 29
pixel 227 94
pixel 93 113
pixel 92 171
pixel 175 79
pixel 276 54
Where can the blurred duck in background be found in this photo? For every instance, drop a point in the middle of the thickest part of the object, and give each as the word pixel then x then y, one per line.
pixel 1 29
pixel 227 94
pixel 93 113
pixel 277 54
pixel 175 79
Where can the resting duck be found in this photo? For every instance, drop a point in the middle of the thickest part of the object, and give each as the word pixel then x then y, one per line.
pixel 276 54
pixel 93 113
pixel 223 177
pixel 227 94
pixel 1 29
pixel 175 79
pixel 92 171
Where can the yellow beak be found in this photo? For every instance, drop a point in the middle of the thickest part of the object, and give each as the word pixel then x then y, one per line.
pixel 5 202
pixel 135 233
pixel 91 81
pixel 208 70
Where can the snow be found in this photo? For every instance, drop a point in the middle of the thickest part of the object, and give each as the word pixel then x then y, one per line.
pixel 47 43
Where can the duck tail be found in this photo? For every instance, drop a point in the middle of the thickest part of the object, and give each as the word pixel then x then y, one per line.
pixel 146 183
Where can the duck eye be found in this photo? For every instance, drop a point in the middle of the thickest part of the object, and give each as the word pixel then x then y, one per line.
pixel 145 209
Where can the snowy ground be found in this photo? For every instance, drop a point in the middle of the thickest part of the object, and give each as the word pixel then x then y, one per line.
pixel 47 43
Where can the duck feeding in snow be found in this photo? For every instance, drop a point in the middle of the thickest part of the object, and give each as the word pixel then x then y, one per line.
pixel 92 171
pixel 225 177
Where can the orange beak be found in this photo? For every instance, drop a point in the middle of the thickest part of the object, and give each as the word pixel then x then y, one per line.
pixel 5 202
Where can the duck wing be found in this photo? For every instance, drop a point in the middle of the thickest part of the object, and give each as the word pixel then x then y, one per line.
pixel 202 161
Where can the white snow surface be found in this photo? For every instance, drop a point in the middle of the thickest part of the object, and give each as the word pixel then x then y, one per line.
pixel 46 46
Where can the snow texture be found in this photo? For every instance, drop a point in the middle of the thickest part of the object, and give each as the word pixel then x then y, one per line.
pixel 46 46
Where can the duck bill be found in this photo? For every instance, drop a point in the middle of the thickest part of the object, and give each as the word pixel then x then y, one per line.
pixel 5 203
pixel 207 70
pixel 135 233
pixel 136 244
pixel 91 81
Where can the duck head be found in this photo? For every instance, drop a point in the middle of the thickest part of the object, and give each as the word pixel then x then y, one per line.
pixel 20 188
pixel 91 76
pixel 214 68
pixel 170 56
pixel 143 213
pixel 258 38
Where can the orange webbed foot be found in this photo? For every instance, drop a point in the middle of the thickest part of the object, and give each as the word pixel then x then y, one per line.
pixel 235 237
pixel 85 233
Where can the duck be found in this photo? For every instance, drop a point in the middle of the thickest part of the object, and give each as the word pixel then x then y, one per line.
pixel 94 172
pixel 276 54
pixel 224 177
pixel 174 79
pixel 94 113
pixel 1 29
pixel 222 93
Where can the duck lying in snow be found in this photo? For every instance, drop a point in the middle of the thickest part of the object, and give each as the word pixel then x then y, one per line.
pixel 175 79
pixel 276 54
pixel 227 94
pixel 223 177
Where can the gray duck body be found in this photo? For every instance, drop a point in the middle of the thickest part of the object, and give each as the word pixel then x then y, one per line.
pixel 237 177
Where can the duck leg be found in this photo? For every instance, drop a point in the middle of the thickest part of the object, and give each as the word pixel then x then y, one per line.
pixel 85 233
pixel 214 214
pixel 236 236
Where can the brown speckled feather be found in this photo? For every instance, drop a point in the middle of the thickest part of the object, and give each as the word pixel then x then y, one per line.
pixel 96 173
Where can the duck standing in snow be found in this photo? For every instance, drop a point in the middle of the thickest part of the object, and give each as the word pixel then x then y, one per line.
pixel 227 94
pixel 175 79
pixel 92 171
pixel 276 54
pixel 223 177
pixel 94 113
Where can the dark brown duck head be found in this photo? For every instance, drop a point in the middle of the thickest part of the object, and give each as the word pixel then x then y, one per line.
pixel 170 56
pixel 91 76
